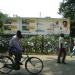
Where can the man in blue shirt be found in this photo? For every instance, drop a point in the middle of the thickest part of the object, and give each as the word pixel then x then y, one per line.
pixel 15 47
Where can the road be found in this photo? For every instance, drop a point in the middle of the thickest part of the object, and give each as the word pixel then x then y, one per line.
pixel 51 67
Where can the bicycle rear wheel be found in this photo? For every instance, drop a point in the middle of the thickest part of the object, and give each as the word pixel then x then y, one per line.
pixel 5 60
pixel 34 65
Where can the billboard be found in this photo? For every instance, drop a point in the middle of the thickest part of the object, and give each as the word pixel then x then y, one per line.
pixel 48 26
pixel 41 25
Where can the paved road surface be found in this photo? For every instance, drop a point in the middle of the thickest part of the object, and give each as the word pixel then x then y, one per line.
pixel 51 67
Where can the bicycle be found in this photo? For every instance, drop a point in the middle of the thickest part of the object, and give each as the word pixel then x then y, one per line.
pixel 33 65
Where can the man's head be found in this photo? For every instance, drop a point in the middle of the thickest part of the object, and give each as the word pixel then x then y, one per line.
pixel 62 35
pixel 65 23
pixel 19 35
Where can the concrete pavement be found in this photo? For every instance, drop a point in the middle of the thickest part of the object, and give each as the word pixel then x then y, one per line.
pixel 51 67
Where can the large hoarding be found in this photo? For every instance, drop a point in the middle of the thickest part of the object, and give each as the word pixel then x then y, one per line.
pixel 42 25
pixel 48 26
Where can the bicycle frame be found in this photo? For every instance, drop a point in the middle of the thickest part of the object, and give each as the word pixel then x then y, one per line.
pixel 24 58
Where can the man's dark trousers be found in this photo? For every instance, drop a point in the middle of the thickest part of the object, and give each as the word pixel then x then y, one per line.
pixel 62 53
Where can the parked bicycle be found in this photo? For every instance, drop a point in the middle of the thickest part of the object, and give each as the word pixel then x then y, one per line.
pixel 33 65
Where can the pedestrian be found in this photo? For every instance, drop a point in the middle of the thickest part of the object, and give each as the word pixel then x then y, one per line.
pixel 73 50
pixel 62 51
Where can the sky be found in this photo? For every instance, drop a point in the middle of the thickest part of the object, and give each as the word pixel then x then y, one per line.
pixel 31 8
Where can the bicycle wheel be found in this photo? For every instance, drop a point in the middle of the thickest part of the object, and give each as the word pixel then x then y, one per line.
pixel 34 65
pixel 5 60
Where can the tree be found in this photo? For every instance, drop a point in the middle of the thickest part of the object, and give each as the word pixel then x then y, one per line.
pixel 2 20
pixel 67 9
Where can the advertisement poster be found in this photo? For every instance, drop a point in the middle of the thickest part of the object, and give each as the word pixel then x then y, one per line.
pixel 49 26
pixel 41 25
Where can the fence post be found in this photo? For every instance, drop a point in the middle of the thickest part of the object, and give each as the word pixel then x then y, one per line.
pixel 42 44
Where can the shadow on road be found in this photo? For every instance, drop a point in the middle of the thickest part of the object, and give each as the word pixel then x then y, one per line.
pixel 51 67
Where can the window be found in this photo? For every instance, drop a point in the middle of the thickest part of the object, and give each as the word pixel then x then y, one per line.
pixel 7 27
pixel 25 28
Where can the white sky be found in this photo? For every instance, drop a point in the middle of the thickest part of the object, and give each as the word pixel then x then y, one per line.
pixel 31 8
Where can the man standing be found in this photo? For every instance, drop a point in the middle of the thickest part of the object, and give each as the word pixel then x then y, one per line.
pixel 62 51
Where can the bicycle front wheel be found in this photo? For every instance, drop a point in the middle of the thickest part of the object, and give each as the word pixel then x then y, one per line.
pixel 3 61
pixel 34 65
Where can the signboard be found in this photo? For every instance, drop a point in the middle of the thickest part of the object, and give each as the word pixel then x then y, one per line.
pixel 49 26
pixel 41 25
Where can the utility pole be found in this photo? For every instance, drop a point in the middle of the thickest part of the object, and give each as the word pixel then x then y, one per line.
pixel 40 14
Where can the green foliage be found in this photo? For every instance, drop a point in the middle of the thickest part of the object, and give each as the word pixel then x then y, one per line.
pixel 41 44
pixel 33 44
pixel 67 9
pixel 4 42
pixel 4 45
pixel 1 24
pixel 2 20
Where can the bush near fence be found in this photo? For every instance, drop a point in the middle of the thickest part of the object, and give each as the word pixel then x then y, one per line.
pixel 35 44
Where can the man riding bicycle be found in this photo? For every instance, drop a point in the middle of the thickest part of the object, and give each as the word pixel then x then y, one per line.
pixel 15 47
